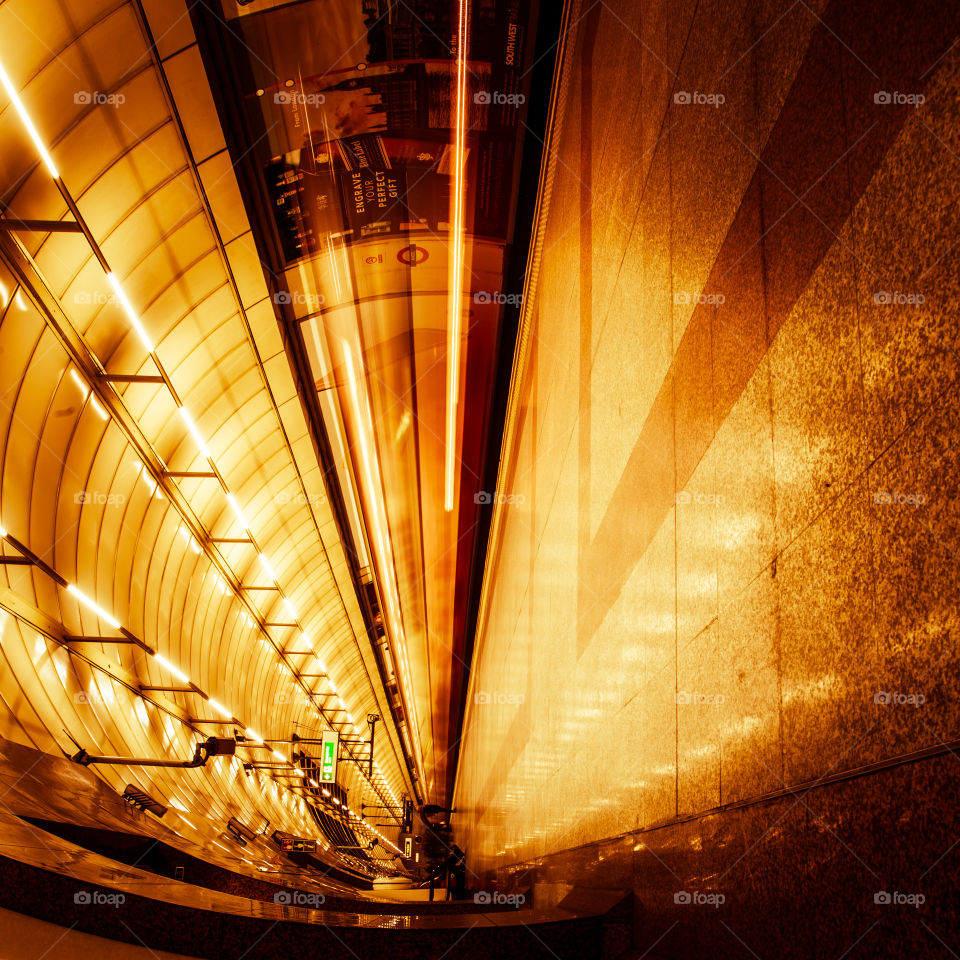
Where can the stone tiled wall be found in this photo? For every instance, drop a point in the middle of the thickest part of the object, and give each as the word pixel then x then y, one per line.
pixel 729 564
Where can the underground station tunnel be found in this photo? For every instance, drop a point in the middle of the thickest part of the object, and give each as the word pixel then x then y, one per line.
pixel 479 478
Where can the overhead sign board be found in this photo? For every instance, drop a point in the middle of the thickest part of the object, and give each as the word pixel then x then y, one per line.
pixel 328 756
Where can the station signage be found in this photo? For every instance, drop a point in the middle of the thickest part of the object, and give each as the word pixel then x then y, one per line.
pixel 329 749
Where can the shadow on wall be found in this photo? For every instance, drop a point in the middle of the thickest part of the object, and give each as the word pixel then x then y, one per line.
pixel 729 568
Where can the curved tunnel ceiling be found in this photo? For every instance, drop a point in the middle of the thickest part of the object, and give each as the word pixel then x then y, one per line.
pixel 93 484
pixel 236 496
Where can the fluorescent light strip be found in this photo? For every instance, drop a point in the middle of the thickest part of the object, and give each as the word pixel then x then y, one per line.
pixel 131 313
pixel 85 390
pixel 232 500
pixel 28 123
pixel 190 540
pixel 271 573
pixel 170 668
pixel 219 708
pixel 455 311
pixel 194 432
pixel 87 602
pixel 253 735
pixel 80 382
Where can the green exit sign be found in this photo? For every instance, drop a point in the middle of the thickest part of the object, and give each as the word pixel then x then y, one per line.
pixel 328 756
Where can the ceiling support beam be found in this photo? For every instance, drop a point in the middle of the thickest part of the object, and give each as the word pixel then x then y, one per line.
pixel 101 640
pixel 131 378
pixel 41 226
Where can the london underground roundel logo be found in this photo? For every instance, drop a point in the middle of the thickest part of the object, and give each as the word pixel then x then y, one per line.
pixel 413 255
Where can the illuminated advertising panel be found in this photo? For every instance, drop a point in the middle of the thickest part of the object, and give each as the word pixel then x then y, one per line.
pixel 356 103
